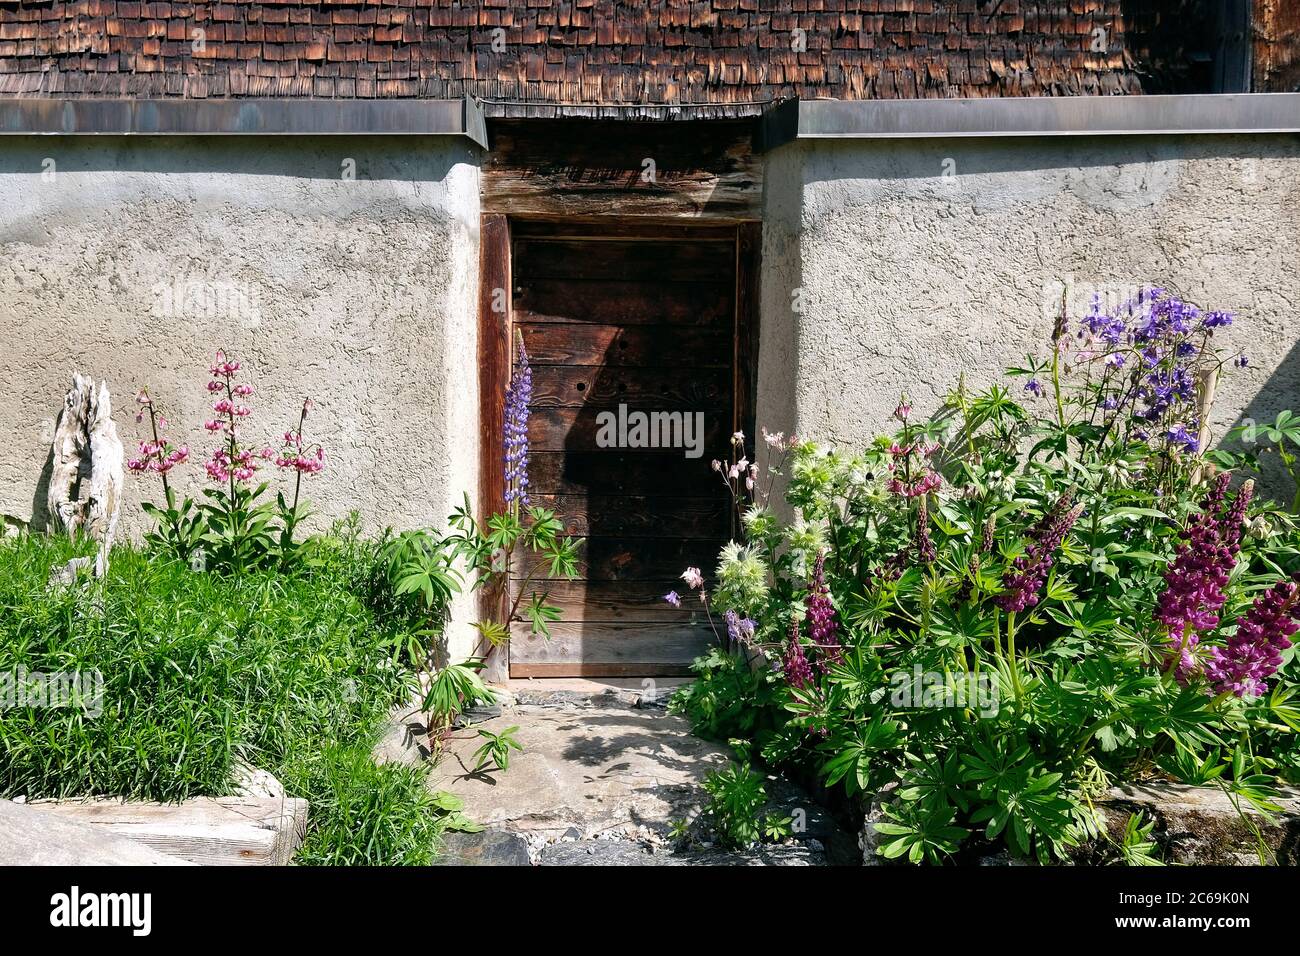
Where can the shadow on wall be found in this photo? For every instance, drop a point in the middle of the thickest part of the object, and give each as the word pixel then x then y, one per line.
pixel 1280 392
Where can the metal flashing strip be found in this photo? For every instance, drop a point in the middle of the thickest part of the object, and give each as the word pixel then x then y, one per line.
pixel 235 117
pixel 1222 113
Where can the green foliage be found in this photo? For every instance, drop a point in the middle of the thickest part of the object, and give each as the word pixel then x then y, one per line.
pixel 737 796
pixel 291 674
pixel 488 553
pixel 728 698
pixel 453 688
pixel 985 727
pixel 496 748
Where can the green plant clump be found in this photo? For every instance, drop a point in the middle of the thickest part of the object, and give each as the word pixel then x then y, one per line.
pixel 196 672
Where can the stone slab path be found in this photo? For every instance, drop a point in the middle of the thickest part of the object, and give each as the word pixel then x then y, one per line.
pixel 601 780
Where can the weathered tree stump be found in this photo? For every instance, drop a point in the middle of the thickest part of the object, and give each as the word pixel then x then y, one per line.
pixel 86 475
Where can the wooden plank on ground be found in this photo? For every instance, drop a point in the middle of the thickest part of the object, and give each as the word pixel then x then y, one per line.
pixel 212 831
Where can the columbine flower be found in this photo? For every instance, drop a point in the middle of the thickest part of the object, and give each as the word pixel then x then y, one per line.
pixel 798 673
pixel 673 598
pixel 518 396
pixel 1023 580
pixel 1254 653
pixel 1179 436
pixel 694 580
pixel 740 630
pixel 1034 386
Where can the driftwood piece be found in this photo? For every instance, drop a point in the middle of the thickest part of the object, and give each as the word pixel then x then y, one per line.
pixel 211 831
pixel 29 837
pixel 86 473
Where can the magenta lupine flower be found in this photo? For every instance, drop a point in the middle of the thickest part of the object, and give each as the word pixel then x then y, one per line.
pixel 1195 580
pixel 518 396
pixel 823 626
pixel 1254 653
pixel 1024 579
pixel 798 673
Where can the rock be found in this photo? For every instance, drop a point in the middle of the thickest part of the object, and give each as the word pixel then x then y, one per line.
pixel 590 768
pixel 1201 825
pixel 868 838
pixel 251 782
pixel 628 853
pixel 29 837
pixel 485 848
pixel 404 738
pixel 478 714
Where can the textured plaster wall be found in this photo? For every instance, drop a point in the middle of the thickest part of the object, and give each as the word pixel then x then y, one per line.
pixel 918 260
pixel 344 269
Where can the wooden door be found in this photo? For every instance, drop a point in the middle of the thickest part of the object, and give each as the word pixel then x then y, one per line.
pixel 649 323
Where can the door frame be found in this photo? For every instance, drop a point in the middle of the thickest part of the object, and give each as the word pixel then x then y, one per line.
pixel 496 290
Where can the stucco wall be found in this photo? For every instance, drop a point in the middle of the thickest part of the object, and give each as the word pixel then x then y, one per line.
pixel 921 259
pixel 341 269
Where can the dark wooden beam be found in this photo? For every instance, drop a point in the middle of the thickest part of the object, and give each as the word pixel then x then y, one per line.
pixel 566 169
pixel 494 373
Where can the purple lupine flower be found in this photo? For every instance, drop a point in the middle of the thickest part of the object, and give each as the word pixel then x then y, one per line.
pixel 518 396
pixel 1254 653
pixel 797 671
pixel 1023 580
pixel 1195 580
pixel 823 628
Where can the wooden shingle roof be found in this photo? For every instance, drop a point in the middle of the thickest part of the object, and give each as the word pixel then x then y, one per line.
pixel 720 53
